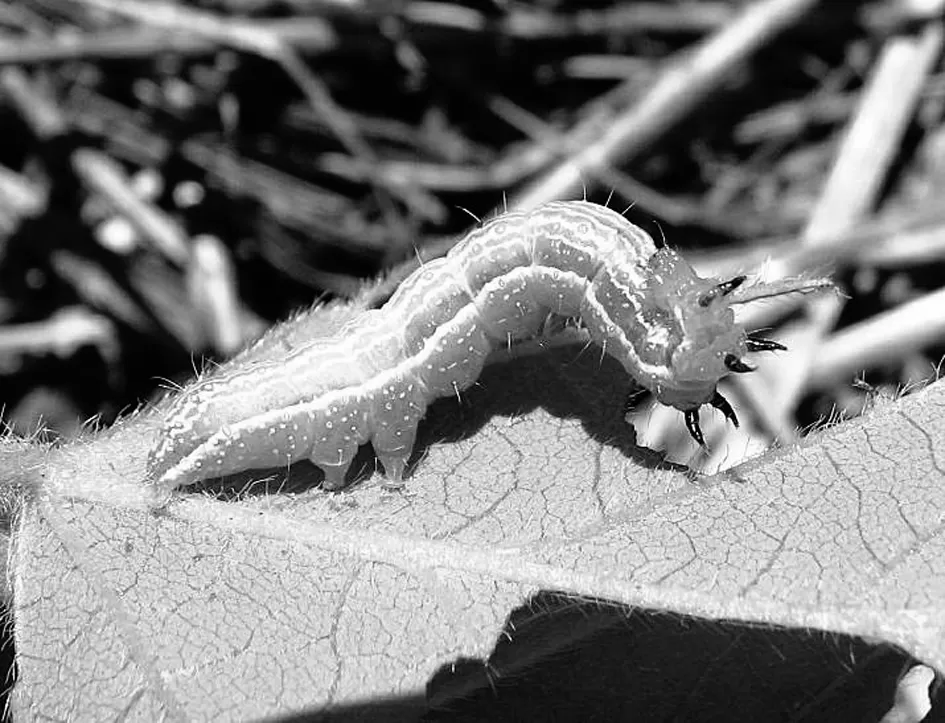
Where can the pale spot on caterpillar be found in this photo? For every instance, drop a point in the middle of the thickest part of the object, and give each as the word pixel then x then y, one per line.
pixel 672 331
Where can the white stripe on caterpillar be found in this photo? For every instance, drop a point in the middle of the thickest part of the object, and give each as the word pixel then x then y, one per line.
pixel 673 332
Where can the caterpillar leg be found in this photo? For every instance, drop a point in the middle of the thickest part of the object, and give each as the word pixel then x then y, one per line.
pixel 393 447
pixel 692 417
pixel 721 403
pixel 692 424
pixel 334 473
pixel 736 365
pixel 395 464
pixel 399 407
pixel 756 343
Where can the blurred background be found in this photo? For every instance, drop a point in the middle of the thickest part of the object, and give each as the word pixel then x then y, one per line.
pixel 175 178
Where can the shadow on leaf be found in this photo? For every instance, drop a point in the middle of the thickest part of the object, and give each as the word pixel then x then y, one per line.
pixel 561 658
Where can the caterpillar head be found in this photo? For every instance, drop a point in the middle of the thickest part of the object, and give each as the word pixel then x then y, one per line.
pixel 704 333
pixel 709 344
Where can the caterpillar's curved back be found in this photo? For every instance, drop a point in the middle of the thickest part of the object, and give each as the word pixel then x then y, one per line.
pixel 673 331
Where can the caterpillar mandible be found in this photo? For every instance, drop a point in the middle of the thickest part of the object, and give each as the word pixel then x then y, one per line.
pixel 674 332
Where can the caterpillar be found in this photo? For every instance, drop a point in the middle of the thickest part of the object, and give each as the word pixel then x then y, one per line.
pixel 674 333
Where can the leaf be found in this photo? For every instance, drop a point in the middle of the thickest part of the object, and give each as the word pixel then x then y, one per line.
pixel 530 517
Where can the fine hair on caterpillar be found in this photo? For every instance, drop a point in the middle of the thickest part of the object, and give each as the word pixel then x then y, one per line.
pixel 672 331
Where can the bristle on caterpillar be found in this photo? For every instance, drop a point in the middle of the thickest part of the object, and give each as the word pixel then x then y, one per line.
pixel 673 331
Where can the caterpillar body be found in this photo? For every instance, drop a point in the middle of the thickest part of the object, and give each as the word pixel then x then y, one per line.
pixel 673 332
